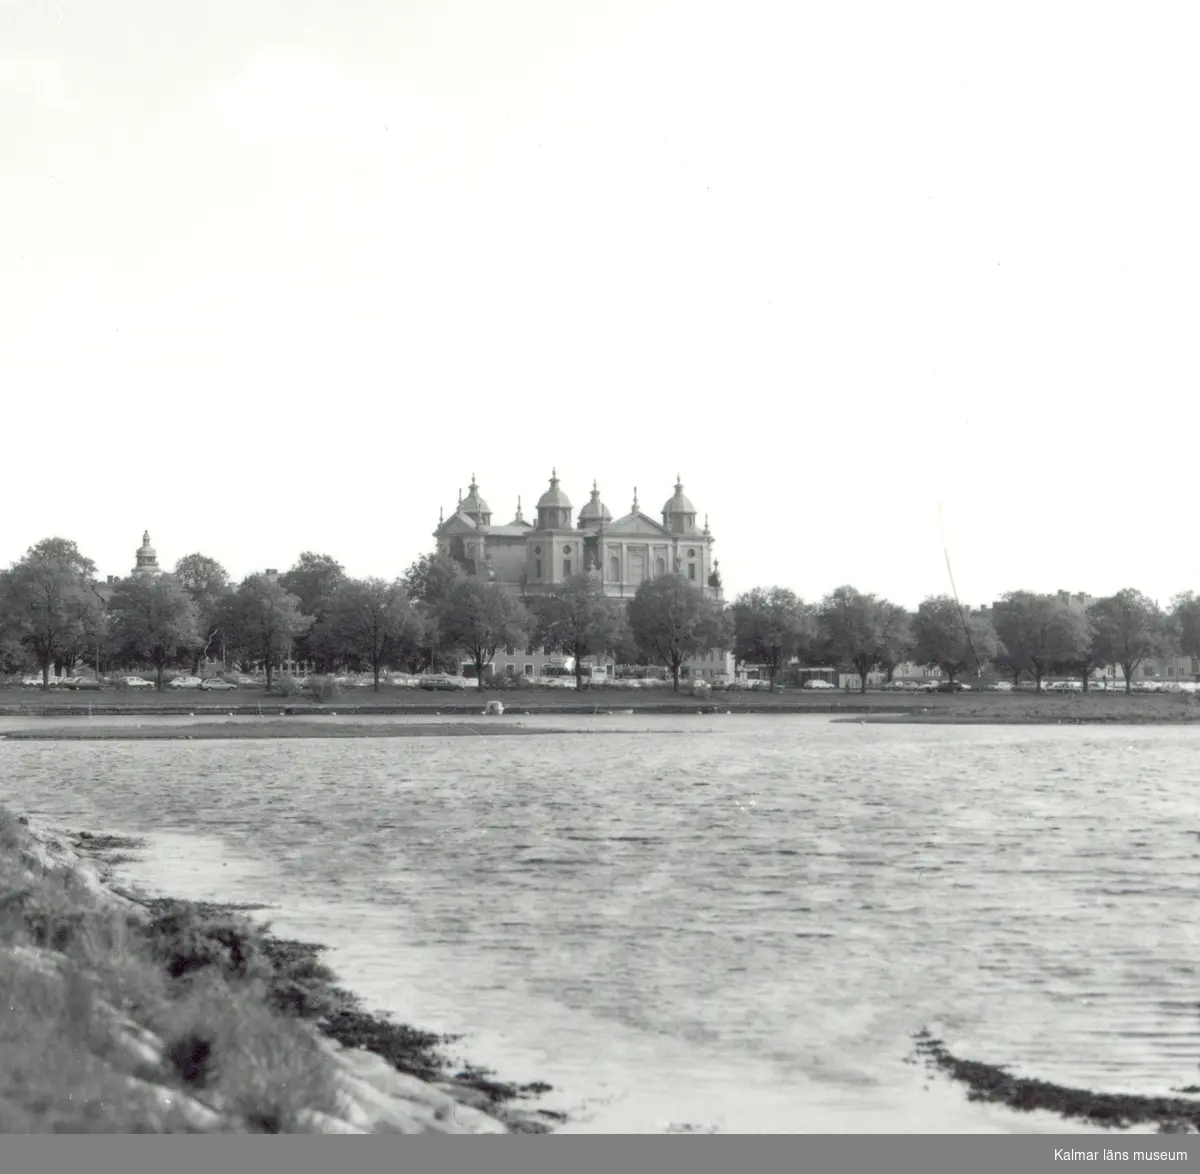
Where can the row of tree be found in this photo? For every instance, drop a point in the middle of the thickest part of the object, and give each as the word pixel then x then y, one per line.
pixel 53 615
pixel 1023 633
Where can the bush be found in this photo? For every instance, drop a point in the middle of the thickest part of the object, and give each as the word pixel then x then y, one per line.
pixel 285 686
pixel 323 688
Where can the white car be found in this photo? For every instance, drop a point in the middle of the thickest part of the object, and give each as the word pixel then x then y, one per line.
pixel 217 683
pixel 818 684
pixel 186 683
pixel 137 683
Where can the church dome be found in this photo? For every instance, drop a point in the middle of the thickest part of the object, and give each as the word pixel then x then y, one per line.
pixel 146 549
pixel 595 510
pixel 554 498
pixel 473 505
pixel 678 504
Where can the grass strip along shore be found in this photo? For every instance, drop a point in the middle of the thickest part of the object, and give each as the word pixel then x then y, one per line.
pixel 975 707
pixel 133 1014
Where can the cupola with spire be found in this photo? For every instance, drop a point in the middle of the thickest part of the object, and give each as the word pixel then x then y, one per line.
pixel 679 515
pixel 554 507
pixel 147 558
pixel 595 513
pixel 475 507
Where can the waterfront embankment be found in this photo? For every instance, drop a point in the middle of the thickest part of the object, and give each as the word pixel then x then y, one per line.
pixel 130 1013
pixel 1022 707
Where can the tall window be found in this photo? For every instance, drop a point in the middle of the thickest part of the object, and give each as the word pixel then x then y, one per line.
pixel 692 571
pixel 537 569
pixel 508 650
pixel 566 566
pixel 660 567
pixel 614 569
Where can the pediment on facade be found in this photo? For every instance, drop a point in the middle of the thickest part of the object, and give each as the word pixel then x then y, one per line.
pixel 636 525
pixel 456 524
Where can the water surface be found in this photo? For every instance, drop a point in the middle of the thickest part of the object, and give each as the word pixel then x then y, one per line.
pixel 734 922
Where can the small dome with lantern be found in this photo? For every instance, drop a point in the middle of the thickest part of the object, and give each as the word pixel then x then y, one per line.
pixel 595 512
pixel 474 506
pixel 554 506
pixel 679 515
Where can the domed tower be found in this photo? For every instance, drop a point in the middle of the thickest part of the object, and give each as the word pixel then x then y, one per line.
pixel 147 559
pixel 595 513
pixel 554 507
pixel 475 507
pixel 679 515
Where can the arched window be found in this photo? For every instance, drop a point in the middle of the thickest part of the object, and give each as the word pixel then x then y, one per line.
pixel 614 569
pixel 660 567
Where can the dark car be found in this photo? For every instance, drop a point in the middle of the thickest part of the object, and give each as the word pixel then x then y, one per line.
pixel 953 687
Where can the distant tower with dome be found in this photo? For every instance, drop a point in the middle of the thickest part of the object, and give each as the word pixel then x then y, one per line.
pixel 147 560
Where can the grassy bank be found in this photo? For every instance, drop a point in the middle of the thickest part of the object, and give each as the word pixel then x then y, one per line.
pixel 285 728
pixel 126 1014
pixel 976 706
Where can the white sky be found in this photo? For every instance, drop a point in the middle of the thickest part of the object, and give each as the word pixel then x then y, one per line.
pixel 280 276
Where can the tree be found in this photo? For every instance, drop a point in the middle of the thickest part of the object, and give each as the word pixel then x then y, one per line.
pixel 153 618
pixel 207 582
pixel 431 578
pixel 1128 628
pixel 895 644
pixel 315 581
pixel 949 637
pixel 479 618
pixel 671 621
pixel 49 600
pixel 578 619
pixel 1086 656
pixel 429 582
pixel 770 626
pixel 373 621
pixel 265 620
pixel 1038 631
pixel 1185 622
pixel 854 627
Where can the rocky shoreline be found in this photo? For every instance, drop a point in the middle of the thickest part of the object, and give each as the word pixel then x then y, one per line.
pixel 369 1074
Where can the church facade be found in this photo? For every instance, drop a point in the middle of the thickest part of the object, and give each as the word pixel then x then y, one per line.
pixel 531 557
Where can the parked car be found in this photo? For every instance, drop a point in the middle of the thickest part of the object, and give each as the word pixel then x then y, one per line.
pixel 953 687
pixel 31 682
pixel 82 683
pixel 1001 687
pixel 137 683
pixel 186 683
pixel 216 683
pixel 441 682
pixel 816 683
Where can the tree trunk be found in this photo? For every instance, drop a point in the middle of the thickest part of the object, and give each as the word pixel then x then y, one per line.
pixel 675 676
pixel 158 676
pixel 578 676
pixel 1127 669
pixel 771 671
pixel 479 672
pixel 376 677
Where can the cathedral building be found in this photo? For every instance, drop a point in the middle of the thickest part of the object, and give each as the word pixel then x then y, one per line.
pixel 530 557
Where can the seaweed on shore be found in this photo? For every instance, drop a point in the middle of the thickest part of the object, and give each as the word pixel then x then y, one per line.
pixel 191 936
pixel 988 1082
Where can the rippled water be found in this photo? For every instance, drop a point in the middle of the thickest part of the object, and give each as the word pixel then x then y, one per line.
pixel 735 922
